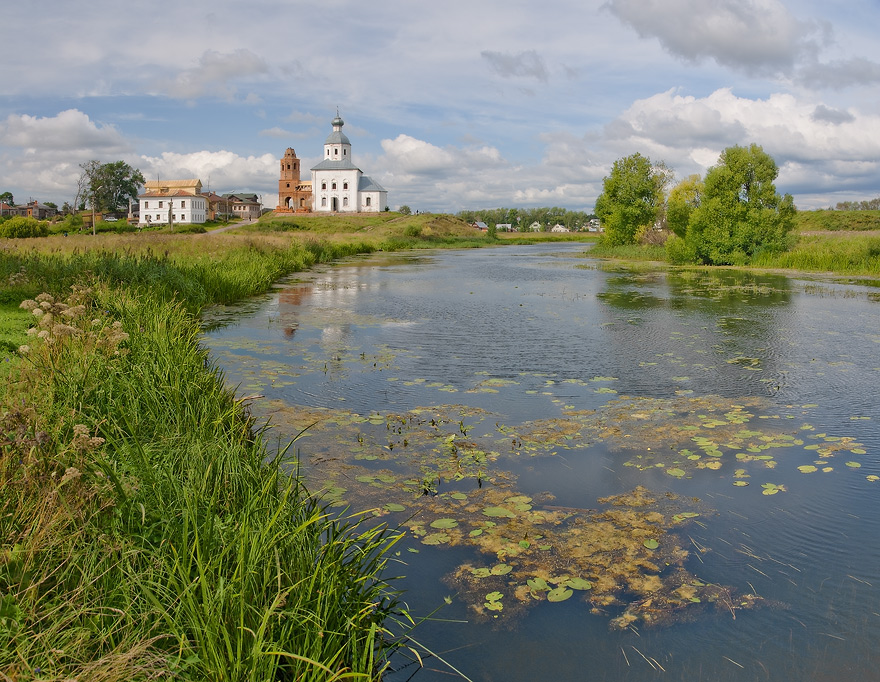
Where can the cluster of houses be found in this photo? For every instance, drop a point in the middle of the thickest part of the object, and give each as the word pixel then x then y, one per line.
pixel 591 226
pixel 32 209
pixel 182 202
pixel 337 185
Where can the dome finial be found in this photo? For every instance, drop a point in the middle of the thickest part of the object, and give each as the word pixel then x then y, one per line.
pixel 337 122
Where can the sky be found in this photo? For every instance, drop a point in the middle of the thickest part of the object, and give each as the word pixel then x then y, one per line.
pixel 452 105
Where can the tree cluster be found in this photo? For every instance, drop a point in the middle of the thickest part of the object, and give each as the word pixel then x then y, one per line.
pixel 725 218
pixel 522 218
pixel 870 205
pixel 107 186
pixel 632 198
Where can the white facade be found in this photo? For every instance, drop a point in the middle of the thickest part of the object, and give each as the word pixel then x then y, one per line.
pixel 176 209
pixel 338 186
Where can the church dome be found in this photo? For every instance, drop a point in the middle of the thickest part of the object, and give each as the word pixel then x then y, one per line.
pixel 337 136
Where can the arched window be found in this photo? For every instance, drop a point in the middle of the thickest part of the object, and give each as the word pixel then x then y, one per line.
pixel 324 185
pixel 345 201
pixel 324 202
pixel 344 185
pixel 334 186
pixel 368 201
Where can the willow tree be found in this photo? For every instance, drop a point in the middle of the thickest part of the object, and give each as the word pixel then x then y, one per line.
pixel 740 212
pixel 631 198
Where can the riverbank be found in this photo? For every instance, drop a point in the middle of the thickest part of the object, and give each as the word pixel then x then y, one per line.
pixel 829 242
pixel 144 534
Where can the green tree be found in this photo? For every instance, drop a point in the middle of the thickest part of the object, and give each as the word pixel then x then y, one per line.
pixel 740 212
pixel 683 199
pixel 404 210
pixel 111 185
pixel 631 197
pixel 7 198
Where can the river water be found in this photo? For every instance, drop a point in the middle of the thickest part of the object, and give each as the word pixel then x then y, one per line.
pixel 602 472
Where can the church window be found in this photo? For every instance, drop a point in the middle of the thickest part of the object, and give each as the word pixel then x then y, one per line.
pixel 344 185
pixel 182 204
pixel 335 152
pixel 323 185
pixel 288 185
pixel 368 201
pixel 334 185
pixel 345 201
pixel 344 152
pixel 324 201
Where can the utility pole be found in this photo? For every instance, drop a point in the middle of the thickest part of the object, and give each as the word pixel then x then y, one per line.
pixel 94 192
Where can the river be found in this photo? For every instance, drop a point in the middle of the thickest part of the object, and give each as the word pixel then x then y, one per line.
pixel 603 472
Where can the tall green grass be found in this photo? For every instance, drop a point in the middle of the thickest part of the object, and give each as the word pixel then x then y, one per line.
pixel 849 255
pixel 145 534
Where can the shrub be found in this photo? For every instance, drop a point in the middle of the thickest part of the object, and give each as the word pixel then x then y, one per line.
pixel 19 228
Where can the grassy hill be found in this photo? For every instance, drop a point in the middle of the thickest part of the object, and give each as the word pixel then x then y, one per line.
pixel 836 221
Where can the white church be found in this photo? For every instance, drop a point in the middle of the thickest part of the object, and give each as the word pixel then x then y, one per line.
pixel 338 186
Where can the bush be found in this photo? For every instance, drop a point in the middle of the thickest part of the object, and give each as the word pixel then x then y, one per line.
pixel 20 228
pixel 680 252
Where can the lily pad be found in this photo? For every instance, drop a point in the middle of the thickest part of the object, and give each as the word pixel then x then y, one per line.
pixel 560 593
pixel 501 569
pixel 499 512
pixel 651 543
pixel 444 523
pixel 578 584
pixel 807 469
pixel 538 584
pixel 435 539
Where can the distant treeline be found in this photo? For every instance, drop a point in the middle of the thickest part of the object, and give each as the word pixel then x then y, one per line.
pixel 521 218
pixel 870 205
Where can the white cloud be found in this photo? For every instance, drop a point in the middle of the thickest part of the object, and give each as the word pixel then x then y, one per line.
pixel 814 145
pixel 214 74
pixel 528 64
pixel 40 156
pixel 276 132
pixel 221 171
pixel 68 131
pixel 757 36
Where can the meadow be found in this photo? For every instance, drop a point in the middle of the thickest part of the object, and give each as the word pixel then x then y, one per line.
pixel 146 532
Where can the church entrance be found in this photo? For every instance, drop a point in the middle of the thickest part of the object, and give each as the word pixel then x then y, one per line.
pixel 334 205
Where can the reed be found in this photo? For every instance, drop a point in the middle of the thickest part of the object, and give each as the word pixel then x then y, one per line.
pixel 145 532
pixel 851 254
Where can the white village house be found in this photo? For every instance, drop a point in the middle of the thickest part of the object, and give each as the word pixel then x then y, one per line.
pixel 172 202
pixel 338 186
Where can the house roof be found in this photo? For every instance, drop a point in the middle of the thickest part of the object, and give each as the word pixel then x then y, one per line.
pixel 330 164
pixel 167 195
pixel 158 185
pixel 367 184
